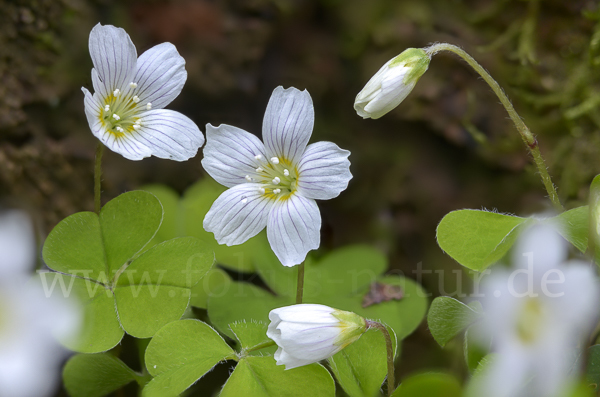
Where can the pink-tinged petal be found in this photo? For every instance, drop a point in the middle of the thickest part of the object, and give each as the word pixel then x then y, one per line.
pixel 229 154
pixel 168 135
pixel 324 171
pixel 114 57
pixel 294 229
pixel 238 214
pixel 160 76
pixel 288 123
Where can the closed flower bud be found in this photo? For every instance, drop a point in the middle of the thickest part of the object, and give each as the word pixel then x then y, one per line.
pixel 309 333
pixel 392 83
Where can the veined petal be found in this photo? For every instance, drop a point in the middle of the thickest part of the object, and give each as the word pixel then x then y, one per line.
pixel 229 154
pixel 238 214
pixel 114 56
pixel 168 134
pixel 288 123
pixel 289 361
pixel 323 171
pixel 92 112
pixel 160 76
pixel 294 229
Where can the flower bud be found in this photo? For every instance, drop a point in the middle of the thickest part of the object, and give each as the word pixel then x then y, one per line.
pixel 308 333
pixel 392 83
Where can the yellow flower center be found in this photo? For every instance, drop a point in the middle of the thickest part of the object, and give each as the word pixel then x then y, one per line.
pixel 530 320
pixel 278 177
pixel 120 112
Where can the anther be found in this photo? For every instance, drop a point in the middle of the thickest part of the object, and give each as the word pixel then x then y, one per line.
pixel 261 190
pixel 259 169
pixel 136 127
pixel 116 92
pixel 276 180
pixel 274 160
pixel 258 157
pixel 136 99
pixel 106 108
pixel 276 191
pixel 133 85
pixel 248 178
pixel 286 173
pixel 116 116
pixel 148 106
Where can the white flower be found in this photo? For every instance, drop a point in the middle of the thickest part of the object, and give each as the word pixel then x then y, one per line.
pixel 30 355
pixel 391 84
pixel 126 110
pixel 537 315
pixel 309 333
pixel 274 184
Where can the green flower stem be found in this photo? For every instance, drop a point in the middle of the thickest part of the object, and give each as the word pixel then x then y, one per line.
pixel 390 353
pixel 528 138
pixel 300 284
pixel 98 177
pixel 263 345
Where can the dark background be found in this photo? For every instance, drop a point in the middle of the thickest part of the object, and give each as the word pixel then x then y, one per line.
pixel 449 146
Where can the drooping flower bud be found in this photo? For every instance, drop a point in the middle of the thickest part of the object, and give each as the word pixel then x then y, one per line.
pixel 308 333
pixel 392 83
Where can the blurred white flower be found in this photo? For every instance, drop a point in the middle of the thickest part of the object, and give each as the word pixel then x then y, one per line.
pixel 126 110
pixel 308 333
pixel 392 83
pixel 274 184
pixel 29 321
pixel 537 315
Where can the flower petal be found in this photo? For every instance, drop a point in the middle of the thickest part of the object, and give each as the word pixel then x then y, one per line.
pixel 229 154
pixel 114 57
pixel 288 123
pixel 324 171
pixel 169 135
pixel 294 229
pixel 160 76
pixel 238 214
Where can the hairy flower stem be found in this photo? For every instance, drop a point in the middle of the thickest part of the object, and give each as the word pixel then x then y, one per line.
pixel 98 177
pixel 390 353
pixel 528 138
pixel 300 284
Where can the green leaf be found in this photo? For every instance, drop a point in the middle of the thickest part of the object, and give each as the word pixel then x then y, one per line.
pixel 592 374
pixel 361 367
pixel 574 226
pixel 95 375
pixel 261 377
pixel 128 223
pixel 447 317
pixel 341 280
pixel 172 225
pixel 101 330
pixel 215 283
pixel 430 385
pixel 181 353
pixel 473 349
pixel 243 302
pixel 476 239
pixel 250 334
pixel 119 286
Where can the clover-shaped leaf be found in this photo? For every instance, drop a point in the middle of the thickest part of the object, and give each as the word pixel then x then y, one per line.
pixel 429 384
pixel 361 367
pixel 122 288
pixel 340 279
pixel 447 317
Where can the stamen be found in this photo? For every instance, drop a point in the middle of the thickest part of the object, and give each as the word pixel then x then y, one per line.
pixel 106 108
pixel 136 99
pixel 276 191
pixel 133 85
pixel 276 180
pixel 136 127
pixel 274 160
pixel 138 121
pixel 259 169
pixel 258 157
pixel 261 190
pixel 116 92
pixel 148 106
pixel 116 116
pixel 286 173
pixel 248 178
